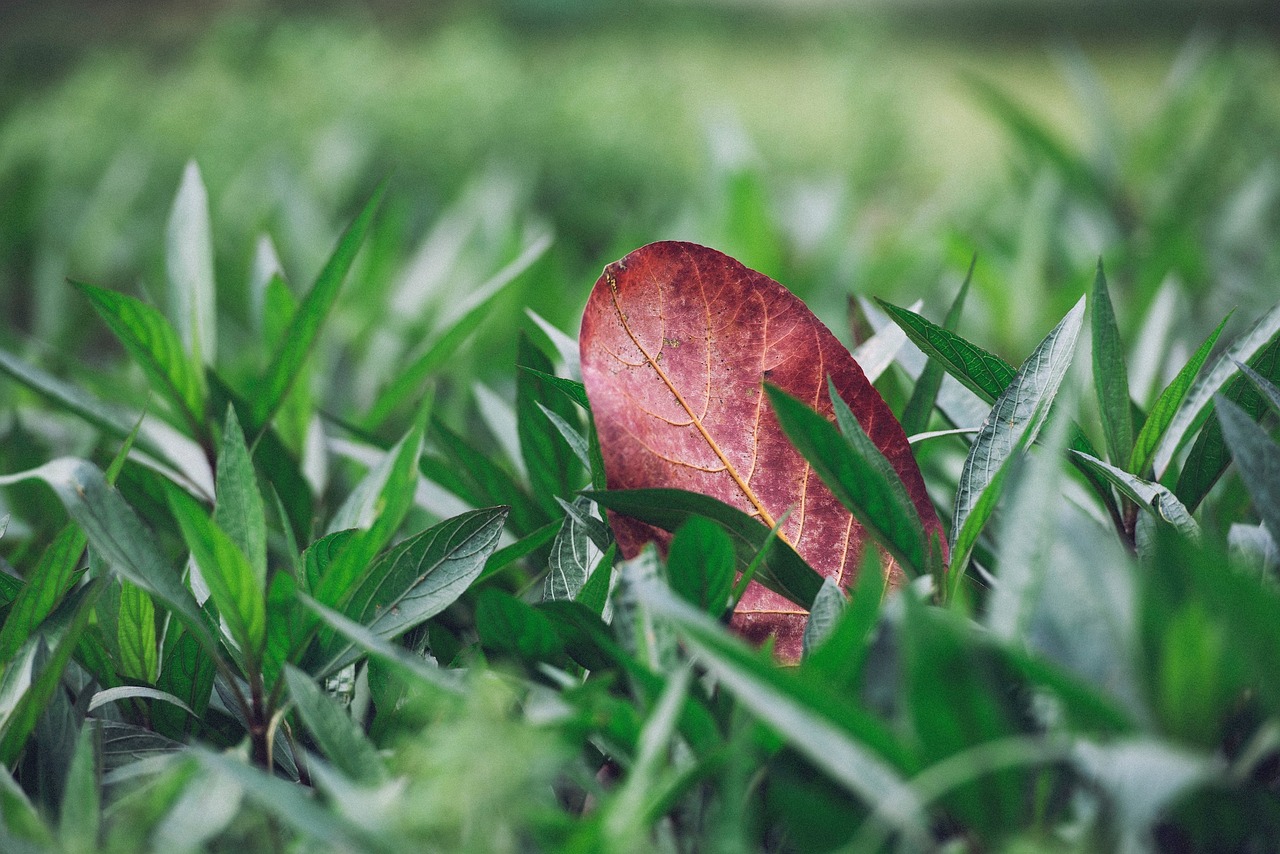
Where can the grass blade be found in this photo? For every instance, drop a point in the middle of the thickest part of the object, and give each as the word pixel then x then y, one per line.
pixel 305 325
pixel 1167 405
pixel 1110 375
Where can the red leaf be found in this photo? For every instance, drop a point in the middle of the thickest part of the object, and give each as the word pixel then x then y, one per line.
pixel 676 340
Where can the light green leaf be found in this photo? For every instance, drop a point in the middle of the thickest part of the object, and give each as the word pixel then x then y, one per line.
pixel 151 342
pixel 1110 375
pixel 828 606
pixel 126 692
pixel 1015 419
pixel 1270 393
pixel 118 535
pixel 304 328
pixel 700 565
pixel 649 641
pixel 81 813
pixel 51 579
pixel 331 726
pixel 1194 411
pixel 1152 497
pixel 136 634
pixel 239 510
pixel 1167 405
pixel 189 265
pixel 233 584
pixel 572 557
pixel 1257 459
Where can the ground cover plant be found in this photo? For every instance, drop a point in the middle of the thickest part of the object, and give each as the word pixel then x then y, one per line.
pixel 301 576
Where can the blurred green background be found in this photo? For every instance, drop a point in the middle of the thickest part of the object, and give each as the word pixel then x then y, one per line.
pixel 862 148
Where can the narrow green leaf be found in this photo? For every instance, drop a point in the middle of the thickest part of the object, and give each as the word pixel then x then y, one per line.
pixel 331 726
pixel 239 510
pixel 701 564
pixel 81 813
pixel 525 546
pixel 1270 393
pixel 1257 459
pixel 828 606
pixel 51 580
pixel 53 647
pixel 1015 419
pixel 1167 405
pixel 129 692
pixel 507 625
pixel 915 418
pixel 187 675
pixel 305 326
pixel 1110 375
pixel 1195 408
pixel 857 474
pixel 422 576
pixel 288 626
pixel 118 535
pixel 572 557
pixel 189 265
pixel 572 389
pixel 983 373
pixel 1152 497
pixel 136 634
pixel 575 440
pixel 232 582
pixel 595 593
pixel 409 380
pixel 851 745
pixel 647 640
pixel 548 458
pixel 838 660
pixel 151 342
pixel 782 570
pixel 1210 456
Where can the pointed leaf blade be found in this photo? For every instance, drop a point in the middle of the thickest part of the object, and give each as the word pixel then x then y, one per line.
pixel 189 265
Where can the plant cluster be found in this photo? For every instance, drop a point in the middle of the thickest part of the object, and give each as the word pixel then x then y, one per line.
pixel 260 591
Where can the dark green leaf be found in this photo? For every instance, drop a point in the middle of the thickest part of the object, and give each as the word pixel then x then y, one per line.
pixel 572 556
pixel 783 570
pixel 507 625
pixel 828 605
pixel 136 634
pixel 239 510
pixel 1110 376
pixel 81 814
pixel 549 459
pixel 1257 459
pixel 188 675
pixel 507 555
pixel 595 593
pixel 915 418
pixel 1152 497
pixel 573 389
pixel 701 564
pixel 857 474
pixel 51 579
pixel 305 326
pixel 985 374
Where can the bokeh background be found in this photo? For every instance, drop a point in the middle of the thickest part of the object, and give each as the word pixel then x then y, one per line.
pixel 844 148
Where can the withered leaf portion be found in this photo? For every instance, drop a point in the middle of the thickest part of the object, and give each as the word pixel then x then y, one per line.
pixel 676 342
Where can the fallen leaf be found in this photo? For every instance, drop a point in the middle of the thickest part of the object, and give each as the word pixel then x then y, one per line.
pixel 676 342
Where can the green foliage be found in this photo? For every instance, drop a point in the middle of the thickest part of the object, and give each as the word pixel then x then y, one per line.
pixel 332 571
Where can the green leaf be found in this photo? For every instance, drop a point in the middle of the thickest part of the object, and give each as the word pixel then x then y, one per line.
pixel 422 576
pixel 857 474
pixel 187 675
pixel 915 418
pixel 239 510
pixel 646 640
pixel 189 265
pixel 983 373
pixel 51 652
pixel 151 342
pixel 233 584
pixel 304 328
pixel 136 633
pixel 507 625
pixel 336 734
pixel 572 389
pixel 1015 419
pixel 850 745
pixel 1110 376
pixel 828 605
pixel 1210 456
pixel 118 535
pixel 572 557
pixel 1152 497
pixel 1270 393
pixel 1195 408
pixel 1167 405
pixel 46 585
pixel 81 813
pixel 409 380
pixel 575 440
pixel 782 571
pixel 595 593
pixel 549 459
pixel 1257 459
pixel 525 546
pixel 701 564
pixel 838 660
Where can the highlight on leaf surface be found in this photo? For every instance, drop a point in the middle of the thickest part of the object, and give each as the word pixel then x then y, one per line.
pixel 676 342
